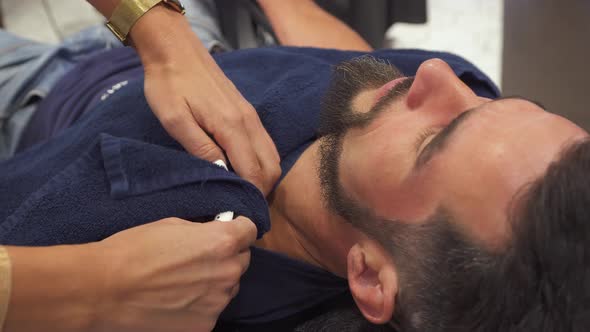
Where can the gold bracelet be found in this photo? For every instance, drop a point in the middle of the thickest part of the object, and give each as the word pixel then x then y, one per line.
pixel 128 12
pixel 5 284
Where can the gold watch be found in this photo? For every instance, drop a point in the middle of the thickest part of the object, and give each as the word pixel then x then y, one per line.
pixel 128 12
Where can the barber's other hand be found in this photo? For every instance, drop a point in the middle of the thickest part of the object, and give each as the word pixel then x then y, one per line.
pixel 197 104
pixel 171 275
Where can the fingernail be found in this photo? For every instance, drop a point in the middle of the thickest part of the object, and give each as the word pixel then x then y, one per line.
pixel 225 216
pixel 221 164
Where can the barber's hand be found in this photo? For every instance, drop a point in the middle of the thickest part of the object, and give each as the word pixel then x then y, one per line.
pixel 197 104
pixel 171 275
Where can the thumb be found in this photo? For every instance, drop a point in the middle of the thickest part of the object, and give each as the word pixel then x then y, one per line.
pixel 242 229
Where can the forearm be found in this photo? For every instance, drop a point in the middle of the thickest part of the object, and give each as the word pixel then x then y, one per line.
pixel 304 23
pixel 53 289
pixel 5 284
pixel 105 7
pixel 163 35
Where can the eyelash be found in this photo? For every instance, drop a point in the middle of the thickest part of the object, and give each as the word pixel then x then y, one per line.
pixel 424 134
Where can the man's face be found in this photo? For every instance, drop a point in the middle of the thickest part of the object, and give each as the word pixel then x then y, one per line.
pixel 433 144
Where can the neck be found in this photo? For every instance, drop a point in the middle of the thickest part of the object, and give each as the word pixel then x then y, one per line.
pixel 302 227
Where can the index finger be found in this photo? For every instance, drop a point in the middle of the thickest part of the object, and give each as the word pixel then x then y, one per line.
pixel 244 231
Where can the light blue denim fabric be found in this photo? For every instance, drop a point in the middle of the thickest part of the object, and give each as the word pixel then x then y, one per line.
pixel 29 69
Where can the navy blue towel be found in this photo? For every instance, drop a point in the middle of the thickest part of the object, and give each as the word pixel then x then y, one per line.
pixel 116 167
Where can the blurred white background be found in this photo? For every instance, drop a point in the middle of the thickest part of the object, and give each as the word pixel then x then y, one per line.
pixel 470 28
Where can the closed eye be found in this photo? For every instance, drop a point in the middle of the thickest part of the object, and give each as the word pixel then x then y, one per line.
pixel 439 140
pixel 423 137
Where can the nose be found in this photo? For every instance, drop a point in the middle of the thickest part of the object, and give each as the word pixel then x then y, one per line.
pixel 436 88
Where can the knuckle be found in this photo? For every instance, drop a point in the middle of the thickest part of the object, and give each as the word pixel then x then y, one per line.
pixel 227 244
pixel 264 178
pixel 255 173
pixel 245 104
pixel 250 115
pixel 206 325
pixel 206 150
pixel 235 291
pixel 275 173
pixel 248 255
pixel 222 303
pixel 171 121
pixel 234 119
pixel 234 272
pixel 244 265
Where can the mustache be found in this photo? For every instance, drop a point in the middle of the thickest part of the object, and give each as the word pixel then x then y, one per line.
pixel 393 95
pixel 348 80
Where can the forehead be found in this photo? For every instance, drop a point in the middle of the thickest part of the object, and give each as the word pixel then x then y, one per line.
pixel 500 129
pixel 491 157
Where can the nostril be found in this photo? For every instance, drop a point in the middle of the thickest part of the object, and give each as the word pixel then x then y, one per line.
pixel 430 78
pixel 417 93
pixel 436 83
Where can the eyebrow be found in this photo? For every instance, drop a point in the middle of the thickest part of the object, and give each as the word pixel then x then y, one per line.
pixel 441 139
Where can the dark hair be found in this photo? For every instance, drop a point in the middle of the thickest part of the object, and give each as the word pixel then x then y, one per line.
pixel 540 281
pixel 434 259
pixel 432 254
pixel 543 281
pixel 349 78
pixel 346 319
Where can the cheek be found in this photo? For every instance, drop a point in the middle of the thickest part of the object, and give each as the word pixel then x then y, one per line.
pixel 375 170
pixel 413 200
pixel 476 190
pixel 374 159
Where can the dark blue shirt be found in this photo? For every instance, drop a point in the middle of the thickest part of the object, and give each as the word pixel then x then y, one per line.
pixel 107 164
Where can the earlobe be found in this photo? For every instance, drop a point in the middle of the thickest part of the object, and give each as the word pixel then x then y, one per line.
pixel 373 283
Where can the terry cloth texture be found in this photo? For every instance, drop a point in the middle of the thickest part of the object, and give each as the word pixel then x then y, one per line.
pixel 116 168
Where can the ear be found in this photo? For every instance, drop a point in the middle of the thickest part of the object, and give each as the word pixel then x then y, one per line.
pixel 373 281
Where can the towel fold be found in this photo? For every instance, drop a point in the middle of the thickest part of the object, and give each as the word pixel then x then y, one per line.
pixel 120 183
pixel 117 168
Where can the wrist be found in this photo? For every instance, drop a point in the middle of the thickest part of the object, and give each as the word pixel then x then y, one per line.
pixel 94 287
pixel 53 288
pixel 160 34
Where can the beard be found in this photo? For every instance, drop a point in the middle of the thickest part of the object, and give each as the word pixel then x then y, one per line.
pixel 349 79
pixel 338 116
pixel 433 257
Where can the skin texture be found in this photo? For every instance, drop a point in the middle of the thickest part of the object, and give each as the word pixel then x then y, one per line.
pixel 200 108
pixel 502 146
pixel 102 297
pixel 170 273
pixel 305 20
pixel 493 154
pixel 195 102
